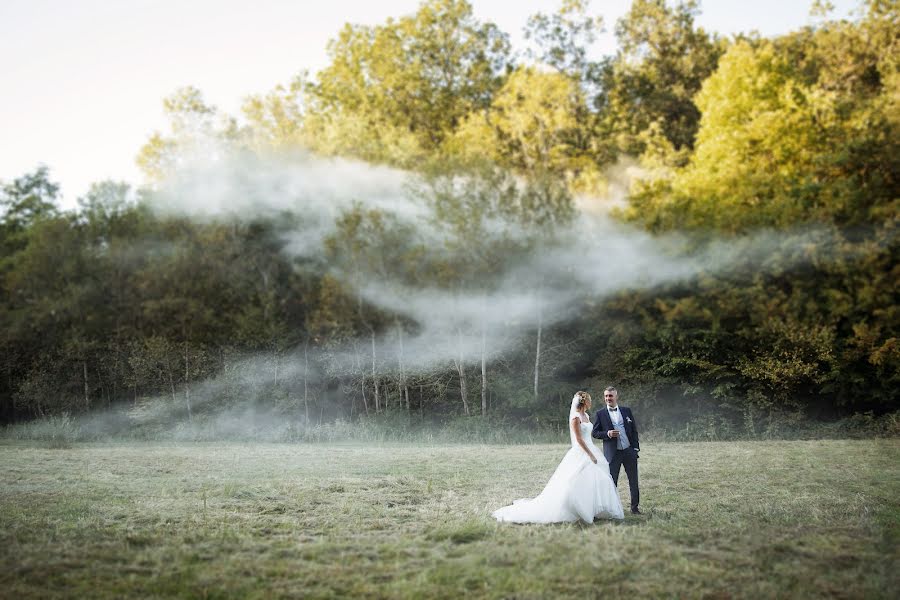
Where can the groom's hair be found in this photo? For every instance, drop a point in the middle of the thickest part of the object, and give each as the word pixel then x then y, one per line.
pixel 612 389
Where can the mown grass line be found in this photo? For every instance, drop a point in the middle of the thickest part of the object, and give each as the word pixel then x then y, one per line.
pixel 730 519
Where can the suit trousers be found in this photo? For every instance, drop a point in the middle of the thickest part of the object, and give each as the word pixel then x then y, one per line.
pixel 627 458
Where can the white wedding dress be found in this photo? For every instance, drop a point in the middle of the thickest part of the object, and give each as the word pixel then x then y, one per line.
pixel 578 489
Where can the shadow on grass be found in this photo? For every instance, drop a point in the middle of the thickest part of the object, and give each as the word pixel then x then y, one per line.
pixel 461 533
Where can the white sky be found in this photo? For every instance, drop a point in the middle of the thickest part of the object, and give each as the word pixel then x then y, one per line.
pixel 83 80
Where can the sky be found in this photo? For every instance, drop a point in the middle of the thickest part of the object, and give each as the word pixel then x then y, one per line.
pixel 83 80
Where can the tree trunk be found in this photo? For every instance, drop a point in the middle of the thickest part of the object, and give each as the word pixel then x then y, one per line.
pixel 9 383
pixel 364 399
pixel 116 367
pixel 104 389
pixel 87 396
pixel 171 380
pixel 483 372
pixel 537 352
pixel 362 376
pixel 359 310
pixel 187 382
pixel 375 375
pixel 275 358
pixel 306 380
pixel 402 371
pixel 461 369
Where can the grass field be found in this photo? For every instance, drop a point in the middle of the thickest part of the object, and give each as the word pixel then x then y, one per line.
pixel 722 520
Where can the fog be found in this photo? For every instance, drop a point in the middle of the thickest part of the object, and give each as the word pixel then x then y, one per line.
pixel 546 282
pixel 548 277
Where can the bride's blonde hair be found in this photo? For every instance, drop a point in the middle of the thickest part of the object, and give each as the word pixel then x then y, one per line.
pixel 583 398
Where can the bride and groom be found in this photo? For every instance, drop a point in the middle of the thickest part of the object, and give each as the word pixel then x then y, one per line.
pixel 584 484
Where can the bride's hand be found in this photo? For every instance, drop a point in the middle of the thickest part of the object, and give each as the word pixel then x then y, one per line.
pixel 594 459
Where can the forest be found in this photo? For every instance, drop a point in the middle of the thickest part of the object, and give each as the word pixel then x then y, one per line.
pixel 440 229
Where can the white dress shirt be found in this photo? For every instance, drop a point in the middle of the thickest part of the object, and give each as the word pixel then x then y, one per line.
pixel 615 416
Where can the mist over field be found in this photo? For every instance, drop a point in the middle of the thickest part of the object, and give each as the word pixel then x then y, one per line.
pixel 547 281
pixel 552 277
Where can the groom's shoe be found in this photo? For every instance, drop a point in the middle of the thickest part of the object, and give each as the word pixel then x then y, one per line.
pixel 636 511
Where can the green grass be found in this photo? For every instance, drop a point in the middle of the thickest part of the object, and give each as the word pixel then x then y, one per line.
pixel 722 520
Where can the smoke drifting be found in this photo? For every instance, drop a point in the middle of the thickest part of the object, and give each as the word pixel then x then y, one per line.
pixel 545 276
pixel 544 283
pixel 317 189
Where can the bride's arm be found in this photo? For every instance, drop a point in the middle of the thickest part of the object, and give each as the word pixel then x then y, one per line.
pixel 576 429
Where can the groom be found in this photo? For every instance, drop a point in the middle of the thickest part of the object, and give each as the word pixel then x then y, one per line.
pixel 616 427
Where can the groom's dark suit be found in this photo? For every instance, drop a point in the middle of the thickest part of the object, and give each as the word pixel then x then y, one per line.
pixel 619 458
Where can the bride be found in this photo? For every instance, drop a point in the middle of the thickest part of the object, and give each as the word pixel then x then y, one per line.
pixel 580 488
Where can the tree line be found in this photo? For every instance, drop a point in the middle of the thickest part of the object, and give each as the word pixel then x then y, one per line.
pixel 115 303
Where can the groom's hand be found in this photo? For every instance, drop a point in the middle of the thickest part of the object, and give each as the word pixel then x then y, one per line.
pixel 613 433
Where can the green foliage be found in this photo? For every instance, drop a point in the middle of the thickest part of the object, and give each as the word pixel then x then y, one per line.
pixel 797 135
pixel 23 202
pixel 564 38
pixel 781 142
pixel 535 127
pixel 409 82
pixel 662 61
pixel 198 131
pixel 275 120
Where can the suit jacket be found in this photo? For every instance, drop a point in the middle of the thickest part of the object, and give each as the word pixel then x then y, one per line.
pixel 602 424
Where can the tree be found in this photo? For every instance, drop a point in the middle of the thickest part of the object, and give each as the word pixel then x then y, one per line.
pixel 564 38
pixel 370 246
pixel 197 131
pixel 491 219
pixel 662 62
pixel 775 149
pixel 276 119
pixel 410 79
pixel 532 127
pixel 797 135
pixel 24 201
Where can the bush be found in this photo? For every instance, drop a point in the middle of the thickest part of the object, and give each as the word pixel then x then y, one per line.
pixel 56 431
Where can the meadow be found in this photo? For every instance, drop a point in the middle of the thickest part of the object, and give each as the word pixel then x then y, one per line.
pixel 769 519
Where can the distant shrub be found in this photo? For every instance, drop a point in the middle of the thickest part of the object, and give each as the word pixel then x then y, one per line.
pixel 716 426
pixel 56 431
pixel 708 427
pixel 402 427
